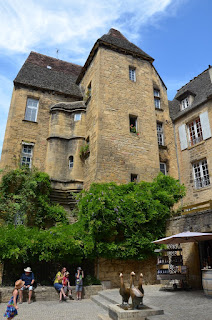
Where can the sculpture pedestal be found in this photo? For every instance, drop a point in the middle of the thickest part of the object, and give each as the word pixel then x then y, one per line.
pixel 117 313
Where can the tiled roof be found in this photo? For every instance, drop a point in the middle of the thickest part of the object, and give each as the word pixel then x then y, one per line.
pixel 43 72
pixel 69 106
pixel 114 40
pixel 200 87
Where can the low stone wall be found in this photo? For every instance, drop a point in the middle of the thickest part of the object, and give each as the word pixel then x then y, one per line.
pixel 48 293
pixel 108 271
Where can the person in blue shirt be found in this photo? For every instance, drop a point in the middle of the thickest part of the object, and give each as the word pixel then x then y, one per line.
pixel 28 278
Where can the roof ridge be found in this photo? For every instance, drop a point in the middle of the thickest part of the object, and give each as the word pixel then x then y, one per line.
pixel 209 66
pixel 44 55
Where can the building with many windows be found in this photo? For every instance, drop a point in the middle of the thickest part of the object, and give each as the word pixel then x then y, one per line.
pixel 110 120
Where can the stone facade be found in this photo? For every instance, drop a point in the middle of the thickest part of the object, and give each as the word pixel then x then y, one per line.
pixel 108 271
pixel 100 124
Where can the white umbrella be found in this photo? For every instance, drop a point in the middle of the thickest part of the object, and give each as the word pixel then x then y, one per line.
pixel 184 237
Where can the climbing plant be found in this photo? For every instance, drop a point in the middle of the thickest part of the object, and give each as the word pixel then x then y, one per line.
pixel 25 199
pixel 123 220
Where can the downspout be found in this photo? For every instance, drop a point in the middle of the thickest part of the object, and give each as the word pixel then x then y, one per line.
pixel 178 167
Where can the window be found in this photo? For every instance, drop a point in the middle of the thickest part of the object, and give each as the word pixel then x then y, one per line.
pixel 195 132
pixel 77 117
pixel 163 167
pixel 134 177
pixel 201 174
pixel 71 162
pixel 157 98
pixel 185 103
pixel 160 134
pixel 133 124
pixel 26 155
pixel 89 89
pixel 31 110
pixel 132 74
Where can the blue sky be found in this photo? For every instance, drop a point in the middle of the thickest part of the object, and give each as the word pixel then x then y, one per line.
pixel 176 33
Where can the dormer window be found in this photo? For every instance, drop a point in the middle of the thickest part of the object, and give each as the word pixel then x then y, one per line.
pixel 185 103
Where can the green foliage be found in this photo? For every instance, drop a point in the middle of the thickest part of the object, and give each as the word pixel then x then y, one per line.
pixel 25 198
pixel 84 151
pixel 31 244
pixel 123 220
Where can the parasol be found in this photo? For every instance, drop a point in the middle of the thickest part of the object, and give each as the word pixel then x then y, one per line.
pixel 185 237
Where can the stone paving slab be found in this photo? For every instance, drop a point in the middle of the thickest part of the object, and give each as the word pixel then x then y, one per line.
pixel 177 305
pixel 53 310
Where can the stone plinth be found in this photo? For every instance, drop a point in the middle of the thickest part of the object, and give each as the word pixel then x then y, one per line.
pixel 117 313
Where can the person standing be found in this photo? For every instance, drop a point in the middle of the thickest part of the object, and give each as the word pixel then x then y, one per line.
pixel 79 282
pixel 28 278
pixel 12 307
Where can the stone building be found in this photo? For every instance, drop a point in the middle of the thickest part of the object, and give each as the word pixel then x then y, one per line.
pixel 106 121
pixel 110 120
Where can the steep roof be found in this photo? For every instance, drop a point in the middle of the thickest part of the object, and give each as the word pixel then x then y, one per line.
pixel 201 89
pixel 114 40
pixel 43 72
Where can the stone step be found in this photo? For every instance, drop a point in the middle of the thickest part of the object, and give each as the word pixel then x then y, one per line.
pixel 108 297
pixel 103 317
pixel 100 301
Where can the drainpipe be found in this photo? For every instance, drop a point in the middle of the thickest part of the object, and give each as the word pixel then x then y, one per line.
pixel 178 167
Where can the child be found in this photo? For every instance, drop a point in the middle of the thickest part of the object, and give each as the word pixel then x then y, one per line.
pixel 66 284
pixel 12 307
pixel 79 282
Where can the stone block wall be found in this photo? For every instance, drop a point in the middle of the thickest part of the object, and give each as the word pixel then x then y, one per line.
pixel 196 222
pixel 108 271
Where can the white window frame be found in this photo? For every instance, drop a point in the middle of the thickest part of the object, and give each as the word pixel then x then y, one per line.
pixel 71 162
pixel 77 116
pixel 185 103
pixel 132 74
pixel 31 111
pixel 160 133
pixel 157 98
pixel 163 170
pixel 201 174
pixel 195 131
pixel 26 156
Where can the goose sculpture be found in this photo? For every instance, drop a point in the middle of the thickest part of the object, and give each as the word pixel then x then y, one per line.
pixel 124 292
pixel 135 293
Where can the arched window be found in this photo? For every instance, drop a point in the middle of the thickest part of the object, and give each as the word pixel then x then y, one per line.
pixel 71 162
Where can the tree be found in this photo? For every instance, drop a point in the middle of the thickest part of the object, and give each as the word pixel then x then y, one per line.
pixel 25 199
pixel 123 220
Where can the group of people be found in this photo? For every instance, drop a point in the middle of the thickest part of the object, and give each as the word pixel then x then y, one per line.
pixel 61 284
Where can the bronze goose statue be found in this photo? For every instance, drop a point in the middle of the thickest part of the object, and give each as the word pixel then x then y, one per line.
pixel 135 293
pixel 124 292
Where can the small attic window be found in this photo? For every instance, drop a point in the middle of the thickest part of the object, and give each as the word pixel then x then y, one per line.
pixel 185 103
pixel 49 67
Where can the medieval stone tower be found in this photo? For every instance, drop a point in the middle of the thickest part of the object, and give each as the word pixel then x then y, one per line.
pixel 106 121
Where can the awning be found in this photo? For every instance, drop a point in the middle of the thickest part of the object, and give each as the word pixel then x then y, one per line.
pixel 184 237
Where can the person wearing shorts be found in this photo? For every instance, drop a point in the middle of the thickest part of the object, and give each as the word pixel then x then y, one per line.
pixel 28 278
pixel 58 284
pixel 79 282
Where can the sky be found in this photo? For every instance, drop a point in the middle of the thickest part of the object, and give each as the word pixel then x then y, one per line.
pixel 176 33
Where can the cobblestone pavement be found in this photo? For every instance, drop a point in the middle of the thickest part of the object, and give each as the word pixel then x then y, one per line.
pixel 46 310
pixel 177 305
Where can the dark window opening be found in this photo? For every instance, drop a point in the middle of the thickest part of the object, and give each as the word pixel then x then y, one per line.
pixel 134 177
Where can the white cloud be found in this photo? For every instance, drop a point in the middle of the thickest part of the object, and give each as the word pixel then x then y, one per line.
pixel 28 23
